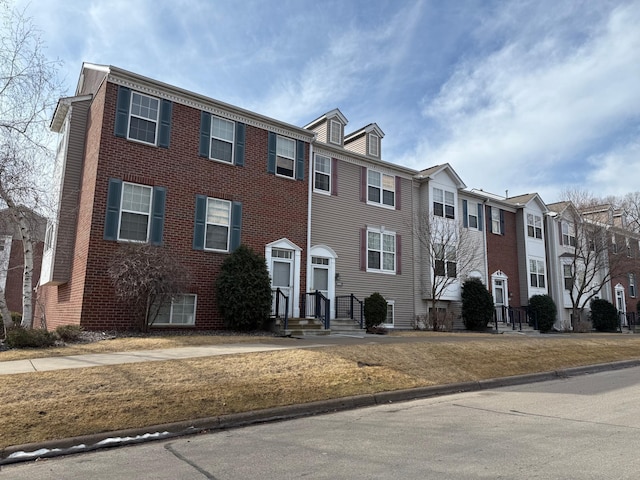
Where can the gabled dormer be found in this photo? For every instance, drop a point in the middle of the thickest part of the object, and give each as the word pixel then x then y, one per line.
pixel 365 141
pixel 329 128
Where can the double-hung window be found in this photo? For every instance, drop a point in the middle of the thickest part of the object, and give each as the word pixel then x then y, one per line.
pixel 445 263
pixel 495 221
pixel 285 157
pixel 381 188
pixel 181 311
pixel 568 237
pixel 381 251
pixel 135 212
pixel 534 225
pixel 374 145
pixel 567 272
pixel 222 139
pixel 143 118
pixel 217 225
pixel 536 273
pixel 472 215
pixel 335 133
pixel 444 203
pixel 322 174
pixel 632 285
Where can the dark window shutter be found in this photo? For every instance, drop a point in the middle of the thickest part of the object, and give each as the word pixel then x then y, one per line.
pixel 334 176
pixel 122 112
pixel 199 224
pixel 205 134
pixel 236 225
pixel 363 184
pixel 490 220
pixel 398 255
pixel 560 232
pixel 157 218
pixel 271 153
pixel 480 219
pixel 114 195
pixel 465 211
pixel 501 222
pixel 164 137
pixel 240 140
pixel 398 192
pixel 300 160
pixel 363 249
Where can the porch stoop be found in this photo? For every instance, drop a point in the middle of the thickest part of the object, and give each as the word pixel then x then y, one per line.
pixel 303 327
pixel 345 325
pixel 507 328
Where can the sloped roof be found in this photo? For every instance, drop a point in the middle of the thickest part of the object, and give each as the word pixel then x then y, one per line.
pixel 430 172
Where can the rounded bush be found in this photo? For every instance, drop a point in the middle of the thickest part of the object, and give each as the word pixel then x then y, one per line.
pixel 69 333
pixel 543 309
pixel 16 318
pixel 18 337
pixel 244 290
pixel 604 315
pixel 477 305
pixel 375 310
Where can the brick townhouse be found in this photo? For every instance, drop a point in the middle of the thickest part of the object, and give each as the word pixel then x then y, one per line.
pixel 143 161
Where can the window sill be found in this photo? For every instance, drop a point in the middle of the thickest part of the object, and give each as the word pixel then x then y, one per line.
pixel 142 142
pixel 384 272
pixel 322 192
pixel 382 205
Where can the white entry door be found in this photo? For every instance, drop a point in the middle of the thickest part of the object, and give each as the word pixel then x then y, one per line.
pixel 282 273
pixel 621 305
pixel 320 275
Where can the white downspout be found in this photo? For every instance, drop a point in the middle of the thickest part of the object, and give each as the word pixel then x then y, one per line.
pixel 308 282
pixel 486 249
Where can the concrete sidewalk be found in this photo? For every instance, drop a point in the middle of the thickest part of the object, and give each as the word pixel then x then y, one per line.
pixel 116 358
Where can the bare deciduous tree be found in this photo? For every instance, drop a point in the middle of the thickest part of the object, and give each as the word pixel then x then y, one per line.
pixel 146 277
pixel 450 252
pixel 28 91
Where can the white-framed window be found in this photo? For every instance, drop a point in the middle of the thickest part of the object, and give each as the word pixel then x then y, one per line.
pixel 472 215
pixel 381 251
pixel 181 311
pixel 390 320
pixel 322 174
pixel 335 132
pixel 381 188
pixel 445 264
pixel 222 139
pixel 536 273
pixel 1 244
pixel 48 238
pixel 135 212
pixel 567 273
pixel 534 225
pixel 495 221
pixel 217 225
pixel 568 235
pixel 444 203
pixel 143 118
pixel 632 285
pixel 374 145
pixel 628 246
pixel 285 157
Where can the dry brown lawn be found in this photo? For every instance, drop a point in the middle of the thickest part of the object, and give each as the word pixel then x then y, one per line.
pixel 49 405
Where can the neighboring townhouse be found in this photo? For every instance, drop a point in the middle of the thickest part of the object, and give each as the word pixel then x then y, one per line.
pixel 361 217
pixel 143 161
pixel 578 262
pixel 12 256
pixel 450 248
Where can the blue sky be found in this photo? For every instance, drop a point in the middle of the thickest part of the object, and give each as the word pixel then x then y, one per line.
pixel 524 96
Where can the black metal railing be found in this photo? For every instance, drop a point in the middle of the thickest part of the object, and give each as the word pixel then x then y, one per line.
pixel 280 306
pixel 514 316
pixel 349 306
pixel 628 320
pixel 316 305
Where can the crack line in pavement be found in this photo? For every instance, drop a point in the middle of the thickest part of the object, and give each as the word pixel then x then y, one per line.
pixel 34 367
pixel 526 414
pixel 169 447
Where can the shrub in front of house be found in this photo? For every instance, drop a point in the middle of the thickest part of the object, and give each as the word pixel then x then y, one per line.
pixel 69 333
pixel 542 308
pixel 244 290
pixel 604 315
pixel 18 337
pixel 477 305
pixel 375 310
pixel 16 318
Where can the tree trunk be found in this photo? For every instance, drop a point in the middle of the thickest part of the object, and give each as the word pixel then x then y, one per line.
pixel 27 275
pixel 4 310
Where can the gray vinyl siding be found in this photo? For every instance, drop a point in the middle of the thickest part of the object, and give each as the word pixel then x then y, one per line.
pixel 521 229
pixel 337 222
pixel 358 145
pixel 67 215
pixel 322 131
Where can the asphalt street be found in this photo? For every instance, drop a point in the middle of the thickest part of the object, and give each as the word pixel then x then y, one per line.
pixel 584 427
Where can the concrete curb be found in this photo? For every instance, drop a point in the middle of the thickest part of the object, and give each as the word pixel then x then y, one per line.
pixel 87 443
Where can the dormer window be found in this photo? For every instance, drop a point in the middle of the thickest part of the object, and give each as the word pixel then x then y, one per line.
pixel 335 132
pixel 374 145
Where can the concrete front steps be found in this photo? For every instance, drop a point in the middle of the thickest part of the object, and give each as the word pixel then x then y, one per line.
pixel 304 327
pixel 507 328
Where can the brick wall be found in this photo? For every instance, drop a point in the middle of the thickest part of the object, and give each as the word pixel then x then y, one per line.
pixel 502 254
pixel 273 208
